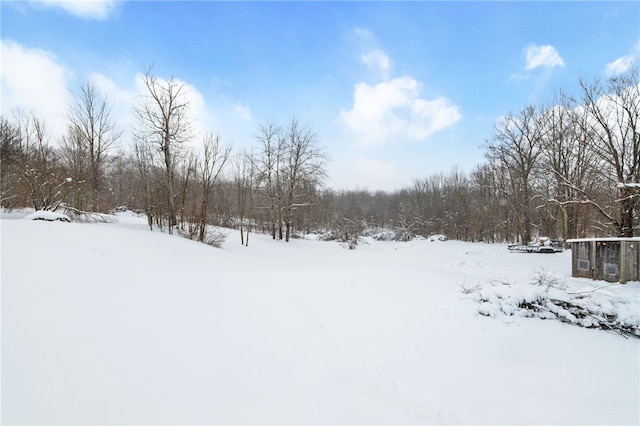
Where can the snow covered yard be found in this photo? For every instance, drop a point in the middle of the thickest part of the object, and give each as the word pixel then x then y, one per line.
pixel 113 324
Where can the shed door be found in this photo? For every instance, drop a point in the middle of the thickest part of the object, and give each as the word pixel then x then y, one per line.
pixel 632 260
pixel 608 258
pixel 581 253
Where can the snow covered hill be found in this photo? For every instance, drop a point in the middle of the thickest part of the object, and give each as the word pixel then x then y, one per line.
pixel 113 324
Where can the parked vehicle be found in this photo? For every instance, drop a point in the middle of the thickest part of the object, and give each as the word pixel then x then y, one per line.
pixel 539 245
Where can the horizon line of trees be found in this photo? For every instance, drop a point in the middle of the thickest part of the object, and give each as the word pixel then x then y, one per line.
pixel 565 170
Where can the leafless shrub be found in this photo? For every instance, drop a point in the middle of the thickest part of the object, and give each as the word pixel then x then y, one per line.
pixel 214 237
pixel 543 278
pixel 468 288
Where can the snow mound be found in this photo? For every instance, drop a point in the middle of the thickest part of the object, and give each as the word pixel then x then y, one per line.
pixel 89 217
pixel 590 308
pixel 48 216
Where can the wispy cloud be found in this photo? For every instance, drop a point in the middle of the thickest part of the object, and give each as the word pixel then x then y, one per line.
pixel 394 110
pixel 624 63
pixel 542 56
pixel 378 60
pixel 362 35
pixel 372 55
pixel 87 9
pixel 33 81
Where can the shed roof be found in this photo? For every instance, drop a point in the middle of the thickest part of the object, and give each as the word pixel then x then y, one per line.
pixel 580 240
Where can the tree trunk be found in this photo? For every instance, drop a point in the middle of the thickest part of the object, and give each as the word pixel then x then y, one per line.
pixel 171 219
pixel 626 213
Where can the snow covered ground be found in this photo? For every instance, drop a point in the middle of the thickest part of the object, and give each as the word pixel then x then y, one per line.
pixel 113 324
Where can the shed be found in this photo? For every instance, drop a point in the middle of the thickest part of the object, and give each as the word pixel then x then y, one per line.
pixel 609 259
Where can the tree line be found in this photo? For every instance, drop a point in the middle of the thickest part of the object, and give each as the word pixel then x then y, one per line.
pixel 567 169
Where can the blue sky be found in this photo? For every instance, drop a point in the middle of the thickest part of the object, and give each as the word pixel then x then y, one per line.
pixel 395 90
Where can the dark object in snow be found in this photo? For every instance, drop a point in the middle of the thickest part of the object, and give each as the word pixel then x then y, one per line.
pixel 48 216
pixel 607 259
pixel 541 245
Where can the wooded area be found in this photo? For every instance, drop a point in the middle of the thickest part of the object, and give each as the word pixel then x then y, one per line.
pixel 565 170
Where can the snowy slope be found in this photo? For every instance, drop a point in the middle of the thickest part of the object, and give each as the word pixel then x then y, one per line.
pixel 113 324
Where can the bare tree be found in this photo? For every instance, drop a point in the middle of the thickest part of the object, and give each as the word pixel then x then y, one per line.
pixel 163 123
pixel 186 176
pixel 304 171
pixel 613 127
pixel 46 180
pixel 267 162
pixel 94 133
pixel 124 183
pixel 517 143
pixel 289 167
pixel 243 180
pixel 142 160
pixel 569 160
pixel 214 158
pixel 12 162
pixel 490 219
pixel 74 157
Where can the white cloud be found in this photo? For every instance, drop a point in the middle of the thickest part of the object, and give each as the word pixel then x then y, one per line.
pixel 377 60
pixel 542 56
pixel 620 65
pixel 624 63
pixel 394 110
pixel 122 100
pixel 116 94
pixel 32 80
pixel 89 9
